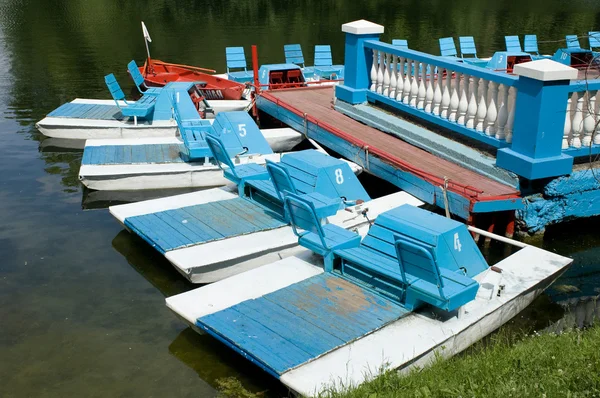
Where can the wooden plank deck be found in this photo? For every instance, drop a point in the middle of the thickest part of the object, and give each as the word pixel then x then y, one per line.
pixel 317 103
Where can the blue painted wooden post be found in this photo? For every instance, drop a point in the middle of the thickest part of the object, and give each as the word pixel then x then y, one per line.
pixel 539 121
pixel 357 60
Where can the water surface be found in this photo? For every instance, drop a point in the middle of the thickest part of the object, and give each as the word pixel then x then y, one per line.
pixel 81 301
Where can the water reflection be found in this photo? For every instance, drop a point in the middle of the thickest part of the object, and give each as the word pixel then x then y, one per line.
pixel 67 297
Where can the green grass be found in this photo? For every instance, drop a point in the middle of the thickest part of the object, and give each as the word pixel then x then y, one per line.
pixel 546 365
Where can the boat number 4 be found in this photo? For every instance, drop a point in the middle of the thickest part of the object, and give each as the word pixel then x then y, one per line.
pixel 457 245
pixel 339 177
pixel 242 130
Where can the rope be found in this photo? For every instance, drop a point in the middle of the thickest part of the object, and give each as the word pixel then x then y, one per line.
pixel 445 194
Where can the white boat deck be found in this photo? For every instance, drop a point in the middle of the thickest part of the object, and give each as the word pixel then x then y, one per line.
pixel 203 261
pixel 409 341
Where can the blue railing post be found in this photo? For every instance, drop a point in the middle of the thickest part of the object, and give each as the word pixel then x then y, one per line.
pixel 356 60
pixel 540 112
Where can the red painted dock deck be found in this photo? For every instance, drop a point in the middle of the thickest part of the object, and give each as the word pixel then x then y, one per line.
pixel 316 103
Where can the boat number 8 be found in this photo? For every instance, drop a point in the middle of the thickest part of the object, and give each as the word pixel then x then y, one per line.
pixel 339 177
pixel 242 130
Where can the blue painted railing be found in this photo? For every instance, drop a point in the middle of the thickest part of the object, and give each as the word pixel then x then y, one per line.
pixel 536 139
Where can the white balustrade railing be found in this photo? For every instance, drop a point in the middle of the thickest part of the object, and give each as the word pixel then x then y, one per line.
pixel 581 120
pixel 482 105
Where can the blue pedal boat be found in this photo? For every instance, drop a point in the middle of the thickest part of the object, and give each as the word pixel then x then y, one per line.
pixel 347 308
pixel 213 234
pixel 180 162
pixel 149 116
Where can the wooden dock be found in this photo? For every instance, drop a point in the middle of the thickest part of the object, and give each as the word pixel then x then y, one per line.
pixel 310 111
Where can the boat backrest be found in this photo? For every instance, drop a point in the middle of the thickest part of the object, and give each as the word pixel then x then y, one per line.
pixel 572 41
pixel 323 55
pixel 513 44
pixel 467 46
pixel 401 43
pixel 418 260
pixel 293 54
pixel 303 215
pixel 447 47
pixel 531 44
pixel 281 179
pixel 137 77
pixel 220 153
pixel 114 88
pixel 594 39
pixel 235 57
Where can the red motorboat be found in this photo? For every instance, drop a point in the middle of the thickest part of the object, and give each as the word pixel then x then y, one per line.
pixel 158 73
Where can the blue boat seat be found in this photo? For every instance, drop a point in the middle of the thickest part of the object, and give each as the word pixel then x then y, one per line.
pixel 572 41
pixel 237 174
pixel 140 108
pixel 513 44
pixel 294 55
pixel 324 63
pixel 467 46
pixel 400 43
pixel 138 79
pixel 403 269
pixel 531 45
pixel 447 47
pixel 321 239
pixel 236 59
pixel 594 39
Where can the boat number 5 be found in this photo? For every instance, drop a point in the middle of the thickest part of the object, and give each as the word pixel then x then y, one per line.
pixel 339 177
pixel 457 245
pixel 242 130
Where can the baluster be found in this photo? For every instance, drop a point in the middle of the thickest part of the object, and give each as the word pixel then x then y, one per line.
pixel 393 74
pixel 512 100
pixel 429 94
pixel 463 104
pixel 454 100
pixel 437 94
pixel 589 122
pixel 422 86
pixel 414 87
pixel 596 128
pixel 408 81
pixel 446 95
pixel 374 67
pixel 379 89
pixel 567 129
pixel 386 75
pixel 400 82
pixel 492 111
pixel 472 108
pixel 577 124
pixel 502 112
pixel 482 106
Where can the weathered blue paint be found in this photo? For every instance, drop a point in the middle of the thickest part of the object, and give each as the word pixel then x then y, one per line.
pixel 193 225
pixel 499 60
pixel 538 130
pixel 134 154
pixel 326 312
pixel 562 199
pixel 87 111
pixel 357 67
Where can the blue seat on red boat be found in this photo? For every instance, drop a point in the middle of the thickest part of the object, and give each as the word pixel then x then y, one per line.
pixel 138 79
pixel 236 59
pixel 400 43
